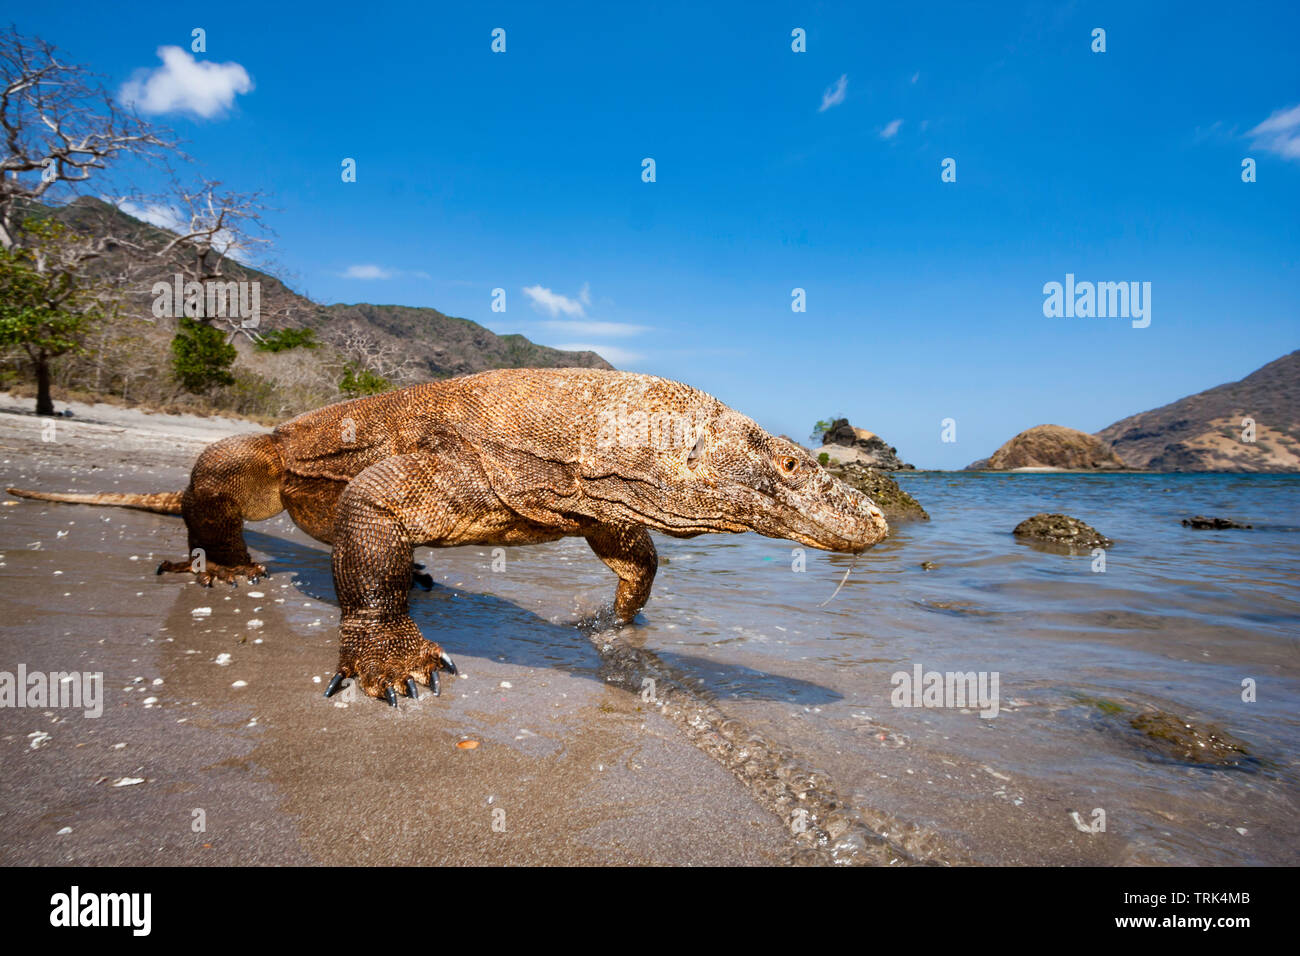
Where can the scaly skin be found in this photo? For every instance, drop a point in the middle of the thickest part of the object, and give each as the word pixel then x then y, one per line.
pixel 508 457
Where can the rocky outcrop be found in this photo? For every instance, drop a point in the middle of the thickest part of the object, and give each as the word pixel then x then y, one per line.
pixel 1249 425
pixel 1213 524
pixel 1052 446
pixel 1061 530
pixel 896 503
pixel 844 443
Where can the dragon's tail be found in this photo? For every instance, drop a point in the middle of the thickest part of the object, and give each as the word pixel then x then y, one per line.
pixel 163 503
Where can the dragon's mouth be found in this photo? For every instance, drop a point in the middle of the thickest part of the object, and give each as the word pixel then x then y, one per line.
pixel 855 542
pixel 838 519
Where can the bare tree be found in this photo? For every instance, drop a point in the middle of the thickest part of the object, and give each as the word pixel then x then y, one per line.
pixel 206 227
pixel 60 127
pixel 63 130
pixel 364 351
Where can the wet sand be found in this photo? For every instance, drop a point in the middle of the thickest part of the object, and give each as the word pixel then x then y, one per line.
pixel 571 767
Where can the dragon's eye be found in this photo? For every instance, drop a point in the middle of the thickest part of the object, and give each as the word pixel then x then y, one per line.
pixel 788 465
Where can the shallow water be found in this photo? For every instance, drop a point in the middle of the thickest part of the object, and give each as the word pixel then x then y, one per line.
pixel 1173 624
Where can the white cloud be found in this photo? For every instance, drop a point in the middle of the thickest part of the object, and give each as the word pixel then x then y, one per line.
pixel 554 304
pixel 185 85
pixel 891 129
pixel 611 353
pixel 611 329
pixel 1280 133
pixel 156 214
pixel 367 272
pixel 170 218
pixel 835 93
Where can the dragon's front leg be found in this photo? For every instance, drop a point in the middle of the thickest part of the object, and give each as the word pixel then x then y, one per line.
pixel 384 514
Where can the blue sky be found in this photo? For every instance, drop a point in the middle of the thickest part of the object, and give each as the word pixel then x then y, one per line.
pixel 522 170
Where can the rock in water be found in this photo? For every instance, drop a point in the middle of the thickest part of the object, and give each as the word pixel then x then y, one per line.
pixel 1176 739
pixel 1167 737
pixel 844 443
pixel 1062 530
pixel 1202 522
pixel 896 503
pixel 1053 446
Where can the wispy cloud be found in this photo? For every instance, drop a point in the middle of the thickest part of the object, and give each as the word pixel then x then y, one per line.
pixel 370 271
pixel 185 85
pixel 835 93
pixel 1279 134
pixel 610 329
pixel 891 129
pixel 170 218
pixel 156 214
pixel 611 353
pixel 367 272
pixel 554 304
pixel 916 76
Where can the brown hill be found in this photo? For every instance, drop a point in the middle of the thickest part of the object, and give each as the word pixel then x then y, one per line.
pixel 1204 432
pixel 444 345
pixel 1052 446
pixel 129 359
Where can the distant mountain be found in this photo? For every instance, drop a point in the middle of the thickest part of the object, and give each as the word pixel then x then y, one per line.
pixel 1204 432
pixel 442 346
pixel 445 346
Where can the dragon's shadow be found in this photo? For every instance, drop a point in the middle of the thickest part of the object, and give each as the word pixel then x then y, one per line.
pixel 488 626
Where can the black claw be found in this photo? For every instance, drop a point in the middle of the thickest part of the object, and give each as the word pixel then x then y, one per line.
pixel 160 567
pixel 411 690
pixel 334 684
pixel 423 580
pixel 391 695
pixel 449 665
pixel 433 682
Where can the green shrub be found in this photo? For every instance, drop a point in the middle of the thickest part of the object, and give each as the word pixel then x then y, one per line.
pixel 359 381
pixel 282 340
pixel 201 357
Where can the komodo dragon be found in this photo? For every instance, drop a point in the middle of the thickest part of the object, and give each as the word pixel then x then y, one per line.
pixel 507 457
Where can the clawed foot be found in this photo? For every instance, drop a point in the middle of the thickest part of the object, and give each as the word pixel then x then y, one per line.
pixel 229 573
pixel 383 659
pixel 421 577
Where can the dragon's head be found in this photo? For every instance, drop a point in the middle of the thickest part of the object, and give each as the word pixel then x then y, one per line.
pixel 711 469
pixel 773 486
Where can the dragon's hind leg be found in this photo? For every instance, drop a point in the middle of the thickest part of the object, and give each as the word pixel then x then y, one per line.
pixel 629 553
pixel 235 480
